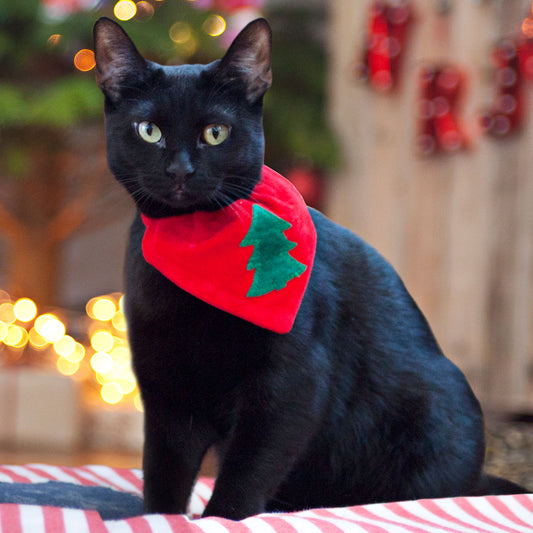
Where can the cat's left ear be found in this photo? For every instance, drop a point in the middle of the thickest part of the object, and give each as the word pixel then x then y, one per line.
pixel 117 59
pixel 249 58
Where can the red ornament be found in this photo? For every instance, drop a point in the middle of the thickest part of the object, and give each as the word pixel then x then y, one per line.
pixel 386 35
pixel 513 63
pixel 525 58
pixel 439 128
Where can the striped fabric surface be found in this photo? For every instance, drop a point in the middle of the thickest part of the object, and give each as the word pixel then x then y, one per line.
pixel 508 514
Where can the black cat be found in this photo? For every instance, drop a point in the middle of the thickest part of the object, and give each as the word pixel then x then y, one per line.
pixel 356 404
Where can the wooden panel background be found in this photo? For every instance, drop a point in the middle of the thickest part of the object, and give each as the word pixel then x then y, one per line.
pixel 457 227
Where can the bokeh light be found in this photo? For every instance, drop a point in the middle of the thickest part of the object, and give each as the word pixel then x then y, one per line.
pixel 125 9
pixel 102 363
pixel 77 354
pixel 119 321
pixel 111 357
pixel 16 336
pixel 84 60
pixel 102 341
pixel 112 392
pixel 121 356
pixel 527 27
pixel 180 32
pixel 127 385
pixel 54 39
pixel 66 367
pixel 25 309
pixel 145 10
pixel 3 331
pixel 214 25
pixel 37 340
pixel 100 359
pixel 65 346
pixel 7 313
pixel 50 327
pixel 103 309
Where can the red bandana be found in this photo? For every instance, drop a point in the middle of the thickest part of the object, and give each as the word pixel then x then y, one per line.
pixel 252 258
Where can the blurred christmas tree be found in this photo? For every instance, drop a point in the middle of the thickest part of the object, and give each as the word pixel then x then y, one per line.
pixel 295 118
pixel 52 165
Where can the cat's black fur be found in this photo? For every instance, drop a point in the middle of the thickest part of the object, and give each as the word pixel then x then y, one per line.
pixel 356 404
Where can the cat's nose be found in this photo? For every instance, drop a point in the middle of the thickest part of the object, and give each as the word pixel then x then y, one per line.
pixel 180 167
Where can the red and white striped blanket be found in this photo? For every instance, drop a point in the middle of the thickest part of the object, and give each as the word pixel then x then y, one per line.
pixel 509 514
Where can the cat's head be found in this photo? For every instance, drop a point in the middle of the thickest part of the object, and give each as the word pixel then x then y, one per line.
pixel 189 137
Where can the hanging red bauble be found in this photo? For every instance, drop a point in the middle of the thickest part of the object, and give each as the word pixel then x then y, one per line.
pixel 439 127
pixel 512 60
pixel 525 58
pixel 385 40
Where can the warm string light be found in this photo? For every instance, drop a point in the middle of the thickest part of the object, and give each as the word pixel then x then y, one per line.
pixel 110 358
pixel 180 32
pixel 214 25
pixel 54 39
pixel 145 10
pixel 128 9
pixel 84 60
pixel 527 24
pixel 104 361
pixel 125 9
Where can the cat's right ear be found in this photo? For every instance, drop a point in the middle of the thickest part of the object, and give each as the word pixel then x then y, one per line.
pixel 117 59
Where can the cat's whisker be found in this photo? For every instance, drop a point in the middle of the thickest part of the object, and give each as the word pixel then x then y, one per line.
pixel 224 200
pixel 137 192
pixel 240 189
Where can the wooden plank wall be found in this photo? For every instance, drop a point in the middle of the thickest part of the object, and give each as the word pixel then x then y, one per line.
pixel 457 227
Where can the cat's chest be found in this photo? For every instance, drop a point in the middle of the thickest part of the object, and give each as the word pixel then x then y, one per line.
pixel 179 337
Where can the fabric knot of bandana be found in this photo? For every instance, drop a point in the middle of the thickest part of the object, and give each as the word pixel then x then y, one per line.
pixel 252 258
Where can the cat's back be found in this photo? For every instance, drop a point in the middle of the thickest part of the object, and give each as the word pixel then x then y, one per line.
pixel 359 281
pixel 363 315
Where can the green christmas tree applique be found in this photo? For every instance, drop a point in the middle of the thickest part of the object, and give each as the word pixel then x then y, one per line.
pixel 273 265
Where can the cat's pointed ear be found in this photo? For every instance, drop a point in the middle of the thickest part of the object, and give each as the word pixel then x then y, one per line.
pixel 117 59
pixel 249 58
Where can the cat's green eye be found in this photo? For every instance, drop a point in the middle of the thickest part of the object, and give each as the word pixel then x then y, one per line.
pixel 149 132
pixel 215 134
